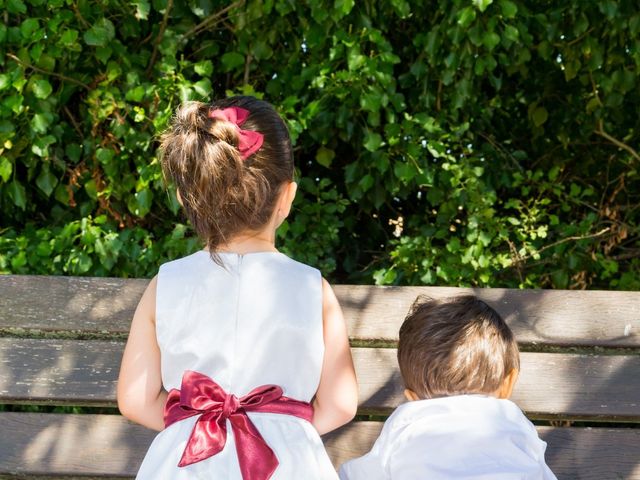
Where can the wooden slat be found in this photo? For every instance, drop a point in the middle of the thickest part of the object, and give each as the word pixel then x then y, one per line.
pixel 56 444
pixel 84 372
pixel 567 385
pixel 555 317
pixel 60 444
pixel 61 372
pixel 56 303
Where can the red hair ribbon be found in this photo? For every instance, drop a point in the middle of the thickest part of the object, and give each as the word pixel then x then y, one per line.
pixel 200 395
pixel 249 141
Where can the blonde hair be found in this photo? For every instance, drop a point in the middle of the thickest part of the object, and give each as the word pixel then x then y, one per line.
pixel 222 193
pixel 455 346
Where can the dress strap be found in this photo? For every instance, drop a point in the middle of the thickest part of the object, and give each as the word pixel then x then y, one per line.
pixel 200 395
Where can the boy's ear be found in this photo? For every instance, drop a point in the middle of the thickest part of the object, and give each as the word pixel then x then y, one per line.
pixel 411 395
pixel 506 388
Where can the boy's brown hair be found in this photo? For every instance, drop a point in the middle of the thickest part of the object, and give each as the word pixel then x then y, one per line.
pixel 455 346
pixel 222 193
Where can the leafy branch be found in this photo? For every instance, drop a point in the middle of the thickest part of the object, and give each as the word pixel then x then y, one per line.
pixel 211 20
pixel 156 44
pixel 600 131
pixel 561 241
pixel 47 72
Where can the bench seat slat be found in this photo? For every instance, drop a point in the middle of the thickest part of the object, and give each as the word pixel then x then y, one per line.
pixel 109 445
pixel 84 372
pixel 552 317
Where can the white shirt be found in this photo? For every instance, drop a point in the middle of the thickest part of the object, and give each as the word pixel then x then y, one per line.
pixel 470 437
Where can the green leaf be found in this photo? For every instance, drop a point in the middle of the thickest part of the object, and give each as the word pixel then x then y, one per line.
pixel 6 127
pixel 29 26
pixel 232 60
pixel 6 167
pixel 17 194
pixel 355 59
pixel 41 88
pixel 366 182
pixel 14 103
pixel 571 69
pixel 5 81
pixel 46 62
pixel 142 9
pixel 204 68
pixel 41 146
pixel 539 116
pixel 73 151
pixel 553 173
pixel 324 156
pixel 511 33
pixel 614 100
pixel 343 6
pixel 46 181
pixel 103 54
pixel 608 7
pixel 203 88
pixel 509 9
pixel 185 92
pixel 69 37
pixel 490 40
pixel 384 276
pixel 114 70
pixel 261 50
pixel 404 171
pixel 81 263
pixel 101 33
pixel 19 260
pixel 372 141
pixel 135 94
pixel 482 4
pixel 143 202
pixel 41 121
pixel 16 6
pixel 466 17
pixel 402 7
pixel 371 102
pixel 92 189
pixel 105 155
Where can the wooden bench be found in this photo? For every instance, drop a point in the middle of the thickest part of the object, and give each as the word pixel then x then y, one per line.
pixel 61 340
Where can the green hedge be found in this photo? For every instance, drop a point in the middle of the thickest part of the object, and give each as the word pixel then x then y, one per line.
pixel 476 142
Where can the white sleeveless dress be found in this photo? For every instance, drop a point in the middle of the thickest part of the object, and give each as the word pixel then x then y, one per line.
pixel 255 321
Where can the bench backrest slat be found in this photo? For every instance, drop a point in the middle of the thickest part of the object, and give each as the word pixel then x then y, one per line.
pixel 84 372
pixel 538 317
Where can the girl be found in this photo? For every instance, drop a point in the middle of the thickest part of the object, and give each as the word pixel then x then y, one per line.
pixel 237 353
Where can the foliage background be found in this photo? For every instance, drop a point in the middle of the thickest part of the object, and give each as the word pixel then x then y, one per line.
pixel 476 142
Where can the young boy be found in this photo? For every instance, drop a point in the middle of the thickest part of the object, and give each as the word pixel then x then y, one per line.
pixel 459 361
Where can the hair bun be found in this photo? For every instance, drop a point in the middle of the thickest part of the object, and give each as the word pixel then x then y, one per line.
pixel 193 118
pixel 222 130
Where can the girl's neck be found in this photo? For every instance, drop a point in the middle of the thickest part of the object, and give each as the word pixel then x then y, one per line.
pixel 250 243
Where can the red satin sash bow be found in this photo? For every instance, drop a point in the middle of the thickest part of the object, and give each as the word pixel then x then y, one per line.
pixel 249 141
pixel 199 395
